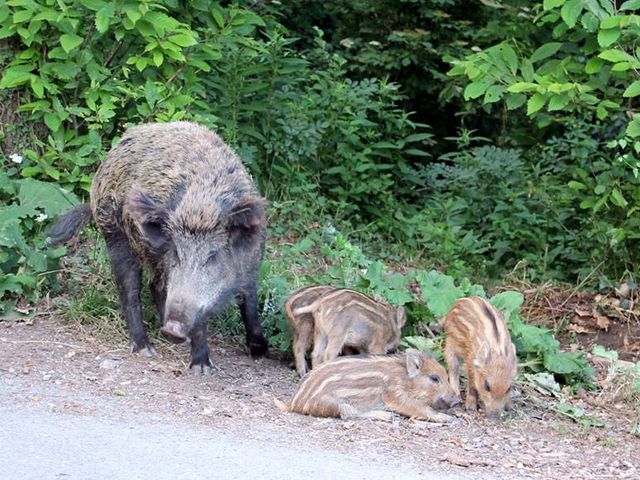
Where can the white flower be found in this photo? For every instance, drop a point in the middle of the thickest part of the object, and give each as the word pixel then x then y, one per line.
pixel 15 158
pixel 42 217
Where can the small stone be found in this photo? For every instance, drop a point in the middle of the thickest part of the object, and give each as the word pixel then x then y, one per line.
pixel 109 364
pixel 46 377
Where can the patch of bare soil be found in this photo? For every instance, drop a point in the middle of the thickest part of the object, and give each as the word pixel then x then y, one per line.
pixel 47 355
pixel 582 319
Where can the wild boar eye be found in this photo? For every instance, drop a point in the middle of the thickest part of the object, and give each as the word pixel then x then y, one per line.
pixel 486 386
pixel 434 378
pixel 212 257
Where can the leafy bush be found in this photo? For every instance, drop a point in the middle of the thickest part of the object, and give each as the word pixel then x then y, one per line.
pixel 25 261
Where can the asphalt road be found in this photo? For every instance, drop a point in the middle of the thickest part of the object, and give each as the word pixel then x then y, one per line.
pixel 36 443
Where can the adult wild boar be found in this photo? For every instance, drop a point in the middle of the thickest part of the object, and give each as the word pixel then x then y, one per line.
pixel 174 196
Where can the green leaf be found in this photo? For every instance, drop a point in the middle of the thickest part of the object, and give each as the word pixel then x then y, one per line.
pixel 564 362
pixel 37 86
pixel 618 199
pixel 594 65
pixel 633 129
pixel 104 16
pixel 438 291
pixel 476 89
pixel 493 94
pixel 183 40
pixel 49 197
pixel 510 57
pixel 616 55
pixel 14 77
pixel 590 22
pixel 22 16
pixel 558 102
pixel 632 90
pixel 509 302
pixel 516 100
pixel 549 4
pixel 535 103
pixel 69 41
pixel 545 51
pixel 526 68
pixel 630 5
pixel 52 121
pixel 573 185
pixel 520 87
pixel 607 37
pixel 570 11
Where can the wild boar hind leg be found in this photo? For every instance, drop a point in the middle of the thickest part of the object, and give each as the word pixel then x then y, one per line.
pixel 348 411
pixel 127 273
pixel 256 341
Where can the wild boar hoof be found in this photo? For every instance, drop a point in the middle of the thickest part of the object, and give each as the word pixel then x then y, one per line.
pixel 259 347
pixel 202 367
pixel 146 350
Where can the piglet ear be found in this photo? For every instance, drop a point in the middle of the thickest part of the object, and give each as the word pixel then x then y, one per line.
pixel 248 215
pixel 150 217
pixel 414 361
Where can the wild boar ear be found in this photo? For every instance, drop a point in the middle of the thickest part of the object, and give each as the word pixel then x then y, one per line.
pixel 247 217
pixel 150 217
pixel 414 362
pixel 401 317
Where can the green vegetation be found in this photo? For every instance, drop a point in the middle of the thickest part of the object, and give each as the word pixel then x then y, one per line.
pixel 394 139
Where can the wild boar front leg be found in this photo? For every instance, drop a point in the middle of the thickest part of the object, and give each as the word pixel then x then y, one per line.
pixel 127 274
pixel 414 409
pixel 200 347
pixel 453 362
pixel 256 341
pixel 471 403
pixel 348 411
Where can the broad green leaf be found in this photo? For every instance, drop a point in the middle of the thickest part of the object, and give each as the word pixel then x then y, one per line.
pixel 509 302
pixel 549 4
pixel 564 362
pixel 69 41
pixel 476 89
pixel 621 67
pixel 520 87
pixel 535 103
pixel 14 77
pixel 510 57
pixel 594 65
pixel 632 90
pixel 630 5
pixel 618 199
pixel 516 100
pixel 570 11
pixel 589 22
pixel 607 37
pixel 616 55
pixel 52 121
pixel 493 94
pixel 545 51
pixel 22 16
pixel 37 86
pixel 217 16
pixel 526 68
pixel 438 291
pixel 573 185
pixel 183 40
pixel 104 16
pixel 558 102
pixel 633 129
pixel 49 197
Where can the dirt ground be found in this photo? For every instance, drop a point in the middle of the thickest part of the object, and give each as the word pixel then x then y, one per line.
pixel 47 354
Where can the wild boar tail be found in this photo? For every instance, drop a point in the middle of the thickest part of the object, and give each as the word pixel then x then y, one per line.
pixel 69 224
pixel 283 407
pixel 305 309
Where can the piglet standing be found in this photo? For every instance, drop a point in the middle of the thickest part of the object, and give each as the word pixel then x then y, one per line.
pixel 477 334
pixel 174 196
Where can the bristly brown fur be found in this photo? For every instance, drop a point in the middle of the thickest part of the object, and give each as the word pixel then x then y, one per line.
pixel 412 384
pixel 477 334
pixel 347 318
